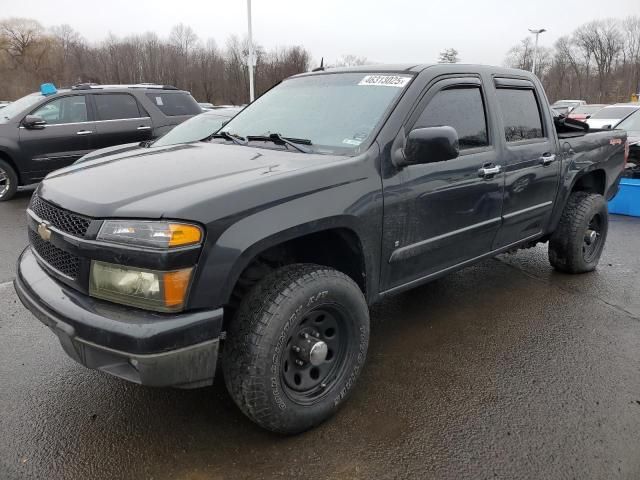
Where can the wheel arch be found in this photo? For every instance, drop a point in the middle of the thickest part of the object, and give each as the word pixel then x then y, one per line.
pixel 6 156
pixel 335 242
pixel 592 181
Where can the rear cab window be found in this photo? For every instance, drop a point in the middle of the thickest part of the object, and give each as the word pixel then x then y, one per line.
pixel 520 114
pixel 174 104
pixel 117 106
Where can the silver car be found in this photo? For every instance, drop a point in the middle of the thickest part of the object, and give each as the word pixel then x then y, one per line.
pixel 612 115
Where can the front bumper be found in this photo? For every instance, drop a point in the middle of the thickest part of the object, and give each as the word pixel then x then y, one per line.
pixel 143 347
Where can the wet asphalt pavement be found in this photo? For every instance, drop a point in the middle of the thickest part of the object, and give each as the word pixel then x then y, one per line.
pixel 503 370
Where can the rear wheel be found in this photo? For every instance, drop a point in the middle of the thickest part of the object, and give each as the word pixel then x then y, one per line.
pixel 577 243
pixel 296 347
pixel 8 181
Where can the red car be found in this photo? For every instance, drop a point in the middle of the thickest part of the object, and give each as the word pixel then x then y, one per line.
pixel 584 112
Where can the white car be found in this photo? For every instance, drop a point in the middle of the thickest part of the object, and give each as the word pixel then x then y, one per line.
pixel 566 106
pixel 612 115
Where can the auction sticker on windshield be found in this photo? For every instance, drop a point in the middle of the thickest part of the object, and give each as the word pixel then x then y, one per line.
pixel 385 81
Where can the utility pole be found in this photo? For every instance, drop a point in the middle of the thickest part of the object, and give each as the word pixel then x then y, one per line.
pixel 250 59
pixel 535 51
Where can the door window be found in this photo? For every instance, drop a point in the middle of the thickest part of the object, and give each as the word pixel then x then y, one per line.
pixel 64 110
pixel 116 106
pixel 462 109
pixel 520 114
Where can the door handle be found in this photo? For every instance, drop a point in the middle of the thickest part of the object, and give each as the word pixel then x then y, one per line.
pixel 144 127
pixel 487 172
pixel 84 132
pixel 547 159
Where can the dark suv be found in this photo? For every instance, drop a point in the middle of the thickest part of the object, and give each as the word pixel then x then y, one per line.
pixel 51 129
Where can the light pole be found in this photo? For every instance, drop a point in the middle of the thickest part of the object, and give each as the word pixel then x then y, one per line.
pixel 250 59
pixel 535 51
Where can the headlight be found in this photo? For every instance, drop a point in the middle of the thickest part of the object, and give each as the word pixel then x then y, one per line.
pixel 150 234
pixel 147 289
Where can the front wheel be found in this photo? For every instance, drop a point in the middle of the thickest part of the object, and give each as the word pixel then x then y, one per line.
pixel 577 243
pixel 296 347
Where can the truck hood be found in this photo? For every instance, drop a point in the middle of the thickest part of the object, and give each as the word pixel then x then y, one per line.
pixel 173 181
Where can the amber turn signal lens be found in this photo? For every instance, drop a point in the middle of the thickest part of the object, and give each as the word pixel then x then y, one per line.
pixel 175 287
pixel 182 234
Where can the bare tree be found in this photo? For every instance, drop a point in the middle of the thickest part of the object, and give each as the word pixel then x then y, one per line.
pixel 351 61
pixel 449 55
pixel 602 39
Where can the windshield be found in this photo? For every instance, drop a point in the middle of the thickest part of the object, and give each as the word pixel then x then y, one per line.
pixel 613 112
pixel 192 130
pixel 11 110
pixel 587 109
pixel 335 112
pixel 631 124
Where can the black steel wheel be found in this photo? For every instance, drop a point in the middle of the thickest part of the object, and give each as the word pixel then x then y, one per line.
pixel 315 354
pixel 577 243
pixel 296 347
pixel 592 240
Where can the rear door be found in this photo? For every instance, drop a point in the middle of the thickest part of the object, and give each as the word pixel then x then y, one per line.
pixel 532 166
pixel 119 119
pixel 64 139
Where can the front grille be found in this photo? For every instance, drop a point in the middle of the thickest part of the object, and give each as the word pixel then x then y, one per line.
pixel 58 259
pixel 68 222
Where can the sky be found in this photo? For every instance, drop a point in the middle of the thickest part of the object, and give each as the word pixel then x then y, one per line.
pixel 397 31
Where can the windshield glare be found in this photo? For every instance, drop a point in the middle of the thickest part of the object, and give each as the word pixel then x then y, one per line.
pixel 11 110
pixel 587 109
pixel 631 124
pixel 192 130
pixel 337 112
pixel 613 112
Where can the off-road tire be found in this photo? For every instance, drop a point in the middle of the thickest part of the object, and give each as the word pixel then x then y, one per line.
pixel 256 347
pixel 566 245
pixel 12 177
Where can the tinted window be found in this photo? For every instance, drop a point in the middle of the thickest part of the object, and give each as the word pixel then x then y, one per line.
pixel 174 104
pixel 116 106
pixel 64 110
pixel 462 109
pixel 520 114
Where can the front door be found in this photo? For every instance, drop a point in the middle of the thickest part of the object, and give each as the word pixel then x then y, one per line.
pixel 65 138
pixel 441 214
pixel 532 162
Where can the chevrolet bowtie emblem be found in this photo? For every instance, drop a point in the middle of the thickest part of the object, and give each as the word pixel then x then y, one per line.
pixel 44 232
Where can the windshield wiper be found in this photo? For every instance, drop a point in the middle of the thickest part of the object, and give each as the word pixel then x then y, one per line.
pixel 280 140
pixel 234 137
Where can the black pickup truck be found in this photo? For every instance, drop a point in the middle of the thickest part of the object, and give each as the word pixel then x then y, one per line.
pixel 264 244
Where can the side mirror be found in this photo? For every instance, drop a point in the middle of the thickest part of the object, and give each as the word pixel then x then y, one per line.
pixel 429 145
pixel 607 127
pixel 34 122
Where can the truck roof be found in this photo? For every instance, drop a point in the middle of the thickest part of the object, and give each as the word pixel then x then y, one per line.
pixel 419 67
